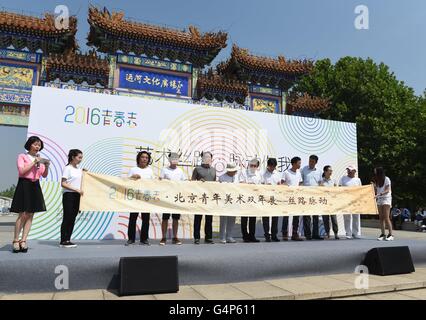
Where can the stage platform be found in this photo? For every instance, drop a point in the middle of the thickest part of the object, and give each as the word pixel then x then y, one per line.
pixel 93 264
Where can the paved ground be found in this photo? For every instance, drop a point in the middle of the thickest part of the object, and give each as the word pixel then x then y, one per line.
pixel 336 286
pixel 419 294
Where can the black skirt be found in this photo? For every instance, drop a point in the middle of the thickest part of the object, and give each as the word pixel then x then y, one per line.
pixel 28 197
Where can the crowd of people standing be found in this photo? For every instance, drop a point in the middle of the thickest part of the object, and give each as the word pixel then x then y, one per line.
pixel 28 198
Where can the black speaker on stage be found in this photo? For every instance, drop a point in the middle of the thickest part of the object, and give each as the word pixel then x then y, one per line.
pixel 389 260
pixel 148 275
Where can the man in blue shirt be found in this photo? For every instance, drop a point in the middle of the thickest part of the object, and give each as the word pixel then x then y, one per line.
pixel 406 214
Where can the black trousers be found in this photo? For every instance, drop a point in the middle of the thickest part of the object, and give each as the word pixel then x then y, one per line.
pixel 326 220
pixel 251 227
pixel 131 231
pixel 306 225
pixel 71 205
pixel 315 226
pixel 274 227
pixel 208 226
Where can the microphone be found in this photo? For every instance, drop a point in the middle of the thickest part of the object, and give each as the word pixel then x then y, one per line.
pixel 38 163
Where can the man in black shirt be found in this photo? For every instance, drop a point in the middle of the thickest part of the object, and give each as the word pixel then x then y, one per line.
pixel 205 172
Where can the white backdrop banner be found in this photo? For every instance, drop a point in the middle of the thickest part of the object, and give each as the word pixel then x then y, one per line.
pixel 111 130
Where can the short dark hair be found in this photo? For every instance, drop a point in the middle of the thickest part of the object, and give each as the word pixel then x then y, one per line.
pixel 326 168
pixel 272 162
pixel 138 157
pixel 257 162
pixel 31 140
pixel 204 152
pixel 294 160
pixel 313 157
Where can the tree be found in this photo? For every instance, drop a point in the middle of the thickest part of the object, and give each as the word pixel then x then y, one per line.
pixel 8 192
pixel 390 120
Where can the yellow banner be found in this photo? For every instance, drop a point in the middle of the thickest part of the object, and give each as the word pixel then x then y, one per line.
pixel 109 193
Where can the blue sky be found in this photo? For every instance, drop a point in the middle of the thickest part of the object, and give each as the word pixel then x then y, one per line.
pixel 294 28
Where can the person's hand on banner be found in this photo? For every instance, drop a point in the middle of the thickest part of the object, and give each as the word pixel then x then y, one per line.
pixel 375 190
pixel 135 177
pixel 85 170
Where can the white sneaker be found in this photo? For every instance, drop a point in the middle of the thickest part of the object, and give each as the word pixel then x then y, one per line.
pixel 348 237
pixel 382 237
pixel 390 238
pixel 356 236
pixel 231 240
pixel 223 241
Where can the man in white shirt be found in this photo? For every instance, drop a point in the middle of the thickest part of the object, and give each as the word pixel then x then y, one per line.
pixel 352 221
pixel 142 171
pixel 328 181
pixel 292 178
pixel 173 173
pixel 270 176
pixel 311 177
pixel 250 176
pixel 227 222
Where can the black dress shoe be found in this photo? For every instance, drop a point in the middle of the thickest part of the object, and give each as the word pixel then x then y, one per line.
pixel 275 239
pixel 246 240
pixel 130 242
pixel 317 238
pixel 254 240
pixel 267 239
pixel 208 241
pixel 336 237
pixel 145 243
pixel 197 241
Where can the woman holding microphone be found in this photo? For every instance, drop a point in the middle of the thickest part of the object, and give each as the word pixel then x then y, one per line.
pixel 28 197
